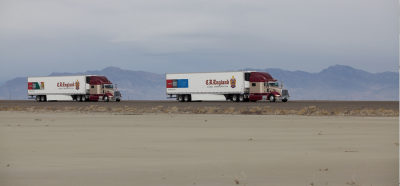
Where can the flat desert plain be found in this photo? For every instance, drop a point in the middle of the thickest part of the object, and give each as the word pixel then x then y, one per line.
pixel 162 149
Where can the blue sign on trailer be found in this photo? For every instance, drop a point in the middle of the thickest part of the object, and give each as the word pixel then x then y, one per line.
pixel 183 83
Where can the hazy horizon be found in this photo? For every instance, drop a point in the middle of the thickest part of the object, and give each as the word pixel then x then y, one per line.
pixel 41 37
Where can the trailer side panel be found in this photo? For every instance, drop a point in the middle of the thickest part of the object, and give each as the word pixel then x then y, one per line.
pixel 206 83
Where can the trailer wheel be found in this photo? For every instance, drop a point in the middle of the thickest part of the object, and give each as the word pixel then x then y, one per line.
pixel 284 100
pixel 38 99
pixel 241 98
pixel 235 98
pixel 272 98
pixel 106 99
pixel 180 98
pixel 187 98
pixel 78 98
pixel 83 98
pixel 43 98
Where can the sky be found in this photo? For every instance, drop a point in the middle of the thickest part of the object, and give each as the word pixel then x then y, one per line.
pixel 165 36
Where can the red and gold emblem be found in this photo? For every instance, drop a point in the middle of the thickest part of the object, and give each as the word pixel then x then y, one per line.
pixel 77 85
pixel 233 82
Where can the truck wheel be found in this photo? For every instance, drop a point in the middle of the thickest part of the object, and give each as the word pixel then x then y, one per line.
pixel 83 98
pixel 272 98
pixel 38 99
pixel 117 100
pixel 180 98
pixel 235 98
pixel 284 100
pixel 241 98
pixel 187 98
pixel 106 99
pixel 43 98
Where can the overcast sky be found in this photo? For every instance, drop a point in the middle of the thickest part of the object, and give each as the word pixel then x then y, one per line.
pixel 45 36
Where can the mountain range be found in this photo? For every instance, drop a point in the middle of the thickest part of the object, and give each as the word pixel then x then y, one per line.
pixel 337 82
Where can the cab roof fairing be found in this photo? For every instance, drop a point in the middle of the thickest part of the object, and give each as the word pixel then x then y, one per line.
pixel 99 80
pixel 261 77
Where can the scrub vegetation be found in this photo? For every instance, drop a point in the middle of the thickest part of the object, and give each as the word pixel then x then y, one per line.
pixel 307 111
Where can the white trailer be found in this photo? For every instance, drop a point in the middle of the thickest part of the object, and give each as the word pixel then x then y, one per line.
pixel 78 87
pixel 230 85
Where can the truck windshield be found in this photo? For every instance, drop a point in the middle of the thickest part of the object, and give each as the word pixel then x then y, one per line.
pixel 108 86
pixel 275 84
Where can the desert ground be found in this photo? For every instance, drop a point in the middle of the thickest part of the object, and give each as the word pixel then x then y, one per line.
pixel 50 149
pixel 308 108
pixel 147 104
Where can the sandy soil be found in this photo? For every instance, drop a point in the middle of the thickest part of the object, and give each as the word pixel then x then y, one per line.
pixel 95 149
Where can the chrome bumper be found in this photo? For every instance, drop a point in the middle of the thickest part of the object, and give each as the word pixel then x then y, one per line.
pixel 115 98
pixel 282 97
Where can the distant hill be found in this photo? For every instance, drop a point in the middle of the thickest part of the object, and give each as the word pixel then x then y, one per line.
pixel 17 88
pixel 338 82
pixel 334 83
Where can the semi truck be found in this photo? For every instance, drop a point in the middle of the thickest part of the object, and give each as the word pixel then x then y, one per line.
pixel 78 87
pixel 237 86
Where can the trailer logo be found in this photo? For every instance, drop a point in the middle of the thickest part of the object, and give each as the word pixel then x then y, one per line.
pixel 233 82
pixel 215 82
pixel 35 85
pixel 67 85
pixel 77 85
pixel 177 83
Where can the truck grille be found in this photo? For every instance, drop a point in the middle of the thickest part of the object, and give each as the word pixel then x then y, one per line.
pixel 116 93
pixel 285 92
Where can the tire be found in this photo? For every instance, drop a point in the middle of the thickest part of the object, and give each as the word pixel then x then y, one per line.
pixel 235 98
pixel 117 100
pixel 78 98
pixel 83 98
pixel 42 98
pixel 272 98
pixel 284 100
pixel 180 98
pixel 241 98
pixel 187 98
pixel 38 98
pixel 106 99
